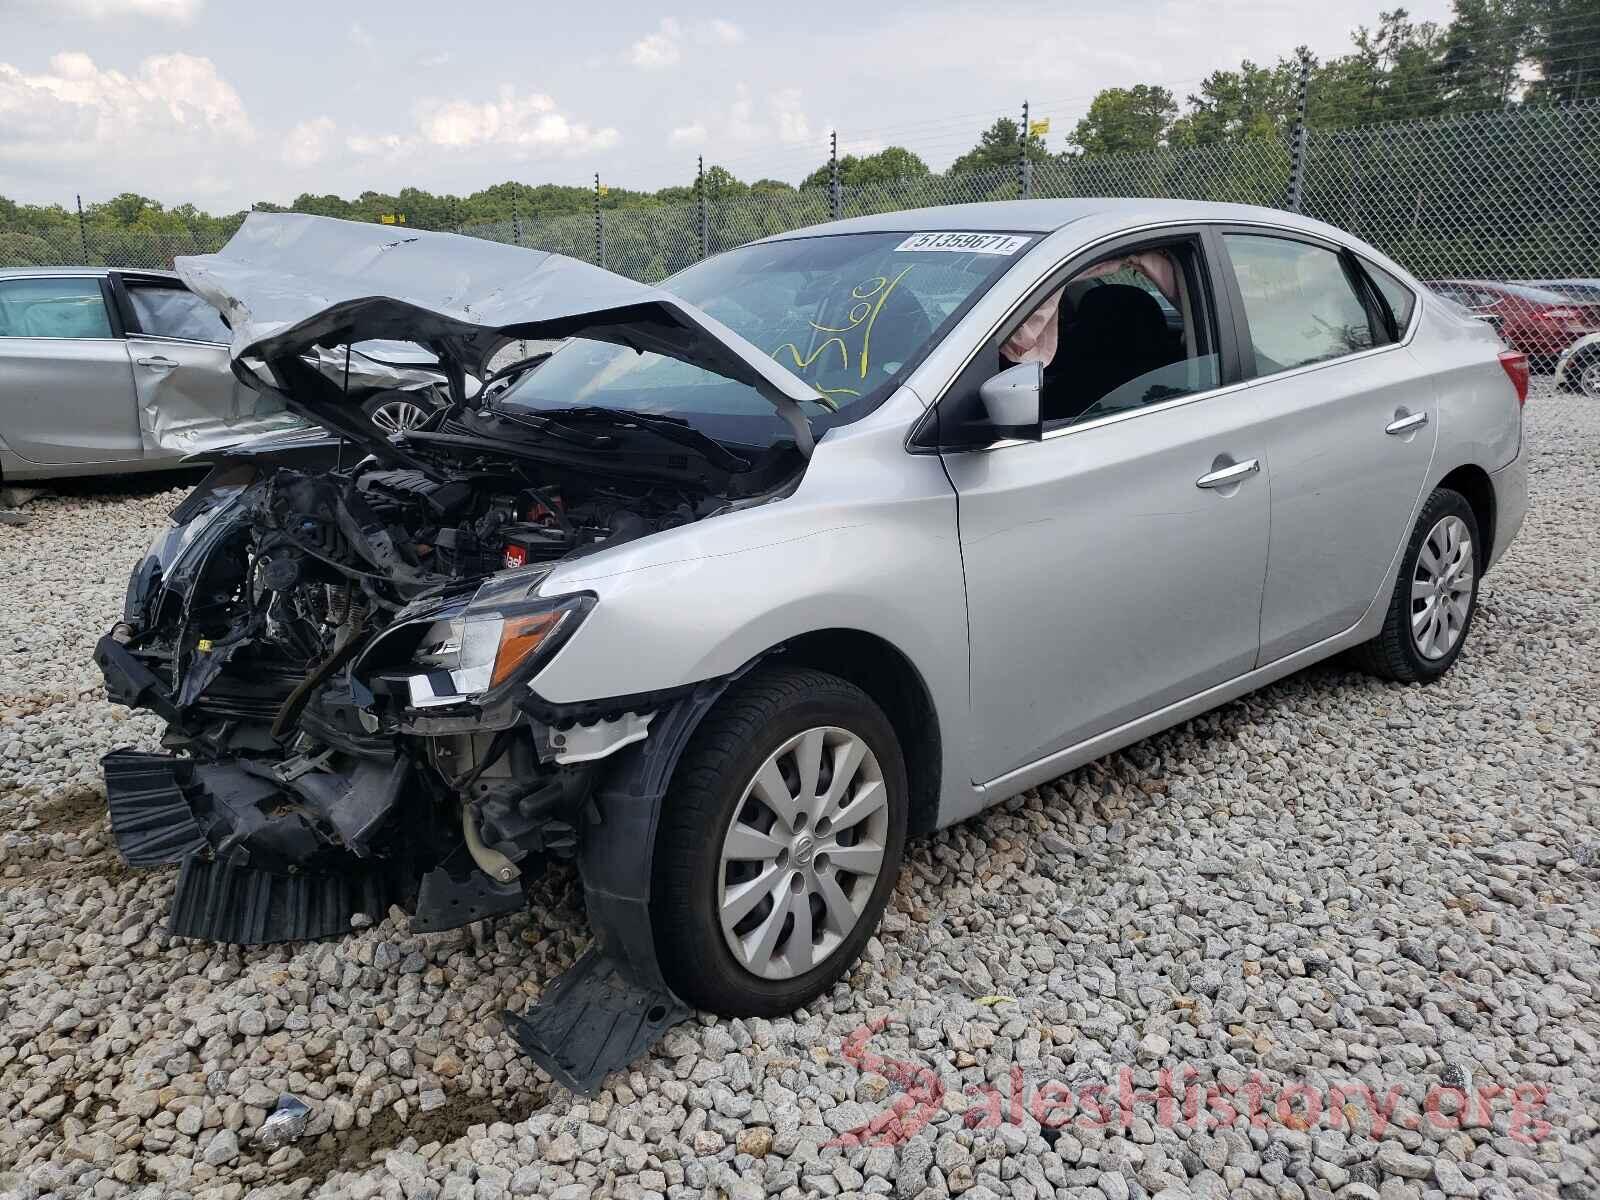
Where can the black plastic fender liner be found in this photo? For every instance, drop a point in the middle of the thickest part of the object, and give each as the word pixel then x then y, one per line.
pixel 592 1021
pixel 610 1005
pixel 618 839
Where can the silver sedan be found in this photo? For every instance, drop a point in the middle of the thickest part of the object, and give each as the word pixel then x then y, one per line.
pixel 111 371
pixel 832 539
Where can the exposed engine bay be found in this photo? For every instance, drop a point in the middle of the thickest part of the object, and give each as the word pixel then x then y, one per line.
pixel 342 659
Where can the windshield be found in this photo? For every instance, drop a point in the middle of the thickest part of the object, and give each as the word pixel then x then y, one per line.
pixel 850 314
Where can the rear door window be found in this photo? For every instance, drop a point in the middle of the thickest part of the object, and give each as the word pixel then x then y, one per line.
pixel 44 307
pixel 1300 302
pixel 175 312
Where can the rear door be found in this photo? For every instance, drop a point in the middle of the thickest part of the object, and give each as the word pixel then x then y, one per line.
pixel 66 391
pixel 1349 424
pixel 189 400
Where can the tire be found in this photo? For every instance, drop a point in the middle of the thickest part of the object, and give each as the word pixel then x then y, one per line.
pixel 715 783
pixel 1401 652
pixel 1583 374
pixel 393 411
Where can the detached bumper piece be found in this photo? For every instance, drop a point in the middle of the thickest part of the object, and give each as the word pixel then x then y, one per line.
pixel 252 871
pixel 455 893
pixel 150 814
pixel 222 901
pixel 593 1020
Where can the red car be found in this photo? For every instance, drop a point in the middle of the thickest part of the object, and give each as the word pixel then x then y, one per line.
pixel 1537 321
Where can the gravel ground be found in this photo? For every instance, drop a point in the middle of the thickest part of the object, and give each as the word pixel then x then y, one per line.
pixel 1332 883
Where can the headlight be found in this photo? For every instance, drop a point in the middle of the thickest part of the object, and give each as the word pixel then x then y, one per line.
pixel 462 653
pixel 463 657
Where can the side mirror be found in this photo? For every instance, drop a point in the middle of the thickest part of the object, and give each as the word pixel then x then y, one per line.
pixel 1013 400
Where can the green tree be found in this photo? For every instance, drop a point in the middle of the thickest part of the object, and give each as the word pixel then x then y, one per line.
pixel 1000 145
pixel 1253 102
pixel 1481 51
pixel 1125 119
pixel 1565 50
pixel 886 166
pixel 723 183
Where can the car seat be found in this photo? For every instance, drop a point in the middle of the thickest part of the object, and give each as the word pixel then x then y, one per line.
pixel 1119 333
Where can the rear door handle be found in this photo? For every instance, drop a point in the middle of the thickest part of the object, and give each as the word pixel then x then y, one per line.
pixel 1229 475
pixel 156 360
pixel 1406 424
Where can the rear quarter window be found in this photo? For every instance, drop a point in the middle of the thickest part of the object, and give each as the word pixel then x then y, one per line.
pixel 1401 299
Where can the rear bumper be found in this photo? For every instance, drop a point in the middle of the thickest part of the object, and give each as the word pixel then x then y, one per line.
pixel 1510 484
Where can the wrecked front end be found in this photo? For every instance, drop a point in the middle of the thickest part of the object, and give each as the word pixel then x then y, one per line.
pixel 340 740
pixel 343 661
pixel 344 653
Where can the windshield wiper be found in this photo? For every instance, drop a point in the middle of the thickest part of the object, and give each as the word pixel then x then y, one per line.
pixel 553 428
pixel 672 429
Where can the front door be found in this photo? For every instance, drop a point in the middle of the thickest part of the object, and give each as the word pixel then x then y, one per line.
pixel 1102 582
pixel 66 391
pixel 1115 566
pixel 189 399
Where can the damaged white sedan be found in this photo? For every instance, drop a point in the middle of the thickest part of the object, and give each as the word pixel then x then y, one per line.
pixel 833 538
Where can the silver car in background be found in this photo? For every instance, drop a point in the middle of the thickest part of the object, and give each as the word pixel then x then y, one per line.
pixel 106 372
pixel 830 540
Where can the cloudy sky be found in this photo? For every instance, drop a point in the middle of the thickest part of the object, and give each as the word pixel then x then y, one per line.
pixel 222 102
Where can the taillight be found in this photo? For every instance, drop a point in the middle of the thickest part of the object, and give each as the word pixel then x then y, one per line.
pixel 1516 366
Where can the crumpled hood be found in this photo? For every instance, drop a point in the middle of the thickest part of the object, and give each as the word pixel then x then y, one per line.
pixel 288 282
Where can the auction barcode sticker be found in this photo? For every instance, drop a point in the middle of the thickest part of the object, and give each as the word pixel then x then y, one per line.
pixel 965 243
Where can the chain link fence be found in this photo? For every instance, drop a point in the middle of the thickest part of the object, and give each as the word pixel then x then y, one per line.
pixel 73 246
pixel 1501 195
pixel 1498 195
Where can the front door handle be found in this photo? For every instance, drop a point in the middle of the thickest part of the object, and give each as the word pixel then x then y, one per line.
pixel 1226 476
pixel 1406 424
pixel 156 360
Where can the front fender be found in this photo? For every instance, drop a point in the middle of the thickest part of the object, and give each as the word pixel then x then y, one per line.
pixel 867 541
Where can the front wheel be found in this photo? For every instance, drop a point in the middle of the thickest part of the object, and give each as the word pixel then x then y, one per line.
pixel 779 843
pixel 1435 595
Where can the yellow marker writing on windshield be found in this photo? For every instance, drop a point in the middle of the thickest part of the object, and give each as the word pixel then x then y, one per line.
pixel 870 296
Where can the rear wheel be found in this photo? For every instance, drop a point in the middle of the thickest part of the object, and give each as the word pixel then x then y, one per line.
pixel 779 844
pixel 1435 595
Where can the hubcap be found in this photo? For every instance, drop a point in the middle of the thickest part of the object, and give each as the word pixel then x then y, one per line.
pixel 398 416
pixel 803 853
pixel 1441 588
pixel 1589 379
